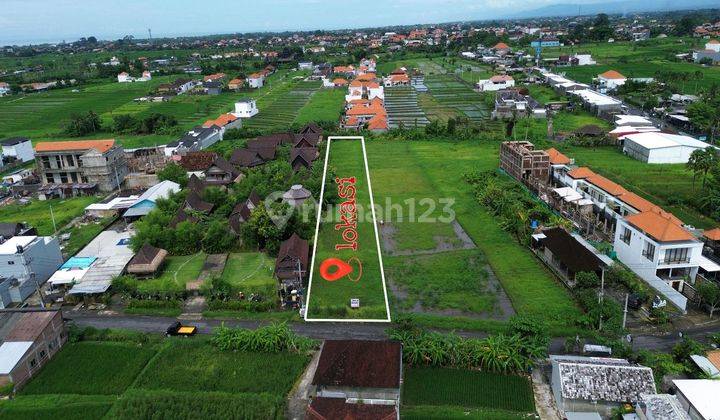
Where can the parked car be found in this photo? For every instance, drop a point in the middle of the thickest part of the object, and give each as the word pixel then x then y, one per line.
pixel 179 329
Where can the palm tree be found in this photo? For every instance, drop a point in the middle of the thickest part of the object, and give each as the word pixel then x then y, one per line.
pixel 701 161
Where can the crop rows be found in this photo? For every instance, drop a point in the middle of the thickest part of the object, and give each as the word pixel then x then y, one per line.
pixel 450 92
pixel 402 107
pixel 279 108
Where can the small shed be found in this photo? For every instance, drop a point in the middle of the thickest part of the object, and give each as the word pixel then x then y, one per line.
pixel 147 261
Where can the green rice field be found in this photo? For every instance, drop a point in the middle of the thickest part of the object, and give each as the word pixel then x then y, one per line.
pixel 280 108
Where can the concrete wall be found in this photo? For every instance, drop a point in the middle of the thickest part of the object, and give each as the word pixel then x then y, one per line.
pixel 52 338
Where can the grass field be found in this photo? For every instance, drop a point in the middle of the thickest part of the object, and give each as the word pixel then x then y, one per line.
pixel 176 273
pixel 454 280
pixel 250 272
pixel 37 213
pixel 664 184
pixel 90 368
pixel 70 407
pixel 534 129
pixel 426 386
pixel 531 288
pixel 324 105
pixel 331 299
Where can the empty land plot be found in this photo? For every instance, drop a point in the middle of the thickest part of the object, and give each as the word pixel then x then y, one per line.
pixel 350 236
pixel 451 93
pixel 197 366
pixel 250 272
pixel 441 164
pixel 402 107
pixel 37 213
pixel 177 271
pixel 454 282
pixel 467 388
pixel 279 109
pixel 91 368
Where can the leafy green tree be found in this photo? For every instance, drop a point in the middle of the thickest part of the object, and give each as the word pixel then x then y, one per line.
pixel 709 292
pixel 188 237
pixel 83 124
pixel 261 231
pixel 218 238
pixel 173 172
pixel 587 280
pixel 702 161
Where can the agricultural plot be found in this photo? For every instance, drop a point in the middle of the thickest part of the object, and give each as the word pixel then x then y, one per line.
pixel 279 108
pixel 43 114
pixel 346 262
pixel 250 272
pixel 79 367
pixel 451 93
pixel 173 378
pixel 402 107
pixel 324 105
pixel 425 386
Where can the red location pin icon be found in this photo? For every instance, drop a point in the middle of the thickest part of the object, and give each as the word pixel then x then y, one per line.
pixel 341 269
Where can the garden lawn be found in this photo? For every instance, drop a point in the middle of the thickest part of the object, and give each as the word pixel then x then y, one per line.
pixel 667 185
pixel 37 213
pixel 532 289
pixel 324 105
pixel 66 407
pixel 331 299
pixel 177 271
pixel 250 272
pixel 535 129
pixel 448 280
pixel 197 366
pixel 91 368
pixel 426 386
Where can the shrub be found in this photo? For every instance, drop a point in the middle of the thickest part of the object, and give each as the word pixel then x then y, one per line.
pixel 274 338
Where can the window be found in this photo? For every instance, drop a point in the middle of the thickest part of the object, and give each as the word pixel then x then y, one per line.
pixel 676 255
pixel 626 235
pixel 33 363
pixel 11 262
pixel 649 251
pixel 43 353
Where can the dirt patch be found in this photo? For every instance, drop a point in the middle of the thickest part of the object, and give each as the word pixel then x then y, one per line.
pixel 443 244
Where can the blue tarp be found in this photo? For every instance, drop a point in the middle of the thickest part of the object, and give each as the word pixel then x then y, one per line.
pixel 79 262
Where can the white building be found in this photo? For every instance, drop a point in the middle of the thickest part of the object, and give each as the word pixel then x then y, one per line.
pixel 124 78
pixel 656 246
pixel 610 80
pixel 4 88
pixel 597 102
pixel 199 138
pixel 246 108
pixel 658 147
pixel 305 65
pixel 496 83
pixel 26 261
pixel 632 120
pixel 713 45
pixel 584 60
pixel 699 397
pixel 19 148
pixel 146 76
pixel 256 80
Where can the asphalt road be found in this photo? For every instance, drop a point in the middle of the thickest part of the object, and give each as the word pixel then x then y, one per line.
pixel 343 330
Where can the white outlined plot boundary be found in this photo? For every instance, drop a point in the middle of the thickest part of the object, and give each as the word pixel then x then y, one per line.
pixel 317 231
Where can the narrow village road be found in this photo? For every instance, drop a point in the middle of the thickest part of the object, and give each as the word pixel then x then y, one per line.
pixel 343 330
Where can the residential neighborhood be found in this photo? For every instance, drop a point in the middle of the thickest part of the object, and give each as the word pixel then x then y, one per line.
pixel 425 210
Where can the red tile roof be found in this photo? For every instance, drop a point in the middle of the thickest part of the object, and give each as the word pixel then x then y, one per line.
pixel 661 226
pixel 336 408
pixel 557 158
pixel 612 74
pixel 713 234
pixel 359 364
pixel 101 146
pixel 581 173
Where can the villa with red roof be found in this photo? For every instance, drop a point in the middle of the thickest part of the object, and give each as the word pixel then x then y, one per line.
pixel 495 83
pixel 611 80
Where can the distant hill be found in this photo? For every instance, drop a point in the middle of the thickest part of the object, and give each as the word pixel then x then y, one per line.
pixel 615 8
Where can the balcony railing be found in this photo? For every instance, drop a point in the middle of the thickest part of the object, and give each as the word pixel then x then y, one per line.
pixel 668 261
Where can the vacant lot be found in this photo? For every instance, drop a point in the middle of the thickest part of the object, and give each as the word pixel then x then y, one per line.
pixel 280 106
pixel 38 213
pixel 440 165
pixel 324 105
pixel 176 273
pixel 91 368
pixel 465 388
pixel 331 299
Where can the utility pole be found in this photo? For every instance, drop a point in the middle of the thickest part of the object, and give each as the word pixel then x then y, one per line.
pixel 601 296
pixel 52 216
pixel 627 295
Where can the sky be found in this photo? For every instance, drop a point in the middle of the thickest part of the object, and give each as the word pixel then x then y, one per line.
pixel 36 21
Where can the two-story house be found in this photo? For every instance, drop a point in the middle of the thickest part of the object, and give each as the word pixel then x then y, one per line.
pixel 656 246
pixel 25 263
pixel 199 138
pixel 98 162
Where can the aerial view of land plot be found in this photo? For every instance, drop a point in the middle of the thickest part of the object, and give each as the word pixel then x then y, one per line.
pixel 347 263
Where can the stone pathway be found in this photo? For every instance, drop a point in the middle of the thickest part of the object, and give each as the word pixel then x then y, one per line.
pixel 193 308
pixel 544 399
pixel 196 304
pixel 298 400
